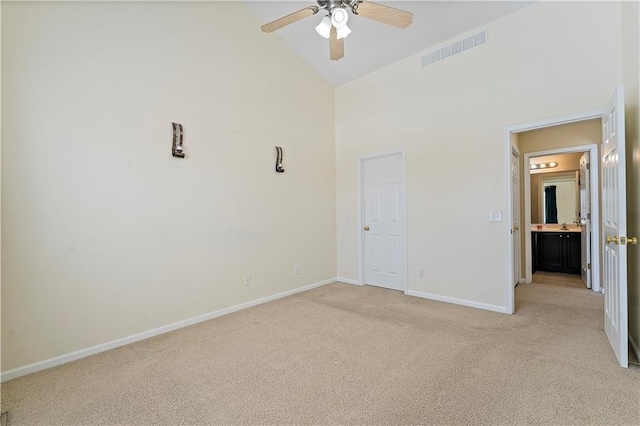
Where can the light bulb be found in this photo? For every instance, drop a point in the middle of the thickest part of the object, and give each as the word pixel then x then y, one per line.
pixel 324 27
pixel 339 17
pixel 343 32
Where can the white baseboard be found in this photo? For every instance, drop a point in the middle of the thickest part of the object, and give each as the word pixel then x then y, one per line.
pixel 348 281
pixel 83 353
pixel 634 348
pixel 456 301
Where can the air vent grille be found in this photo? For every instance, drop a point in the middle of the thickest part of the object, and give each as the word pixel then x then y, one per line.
pixel 455 48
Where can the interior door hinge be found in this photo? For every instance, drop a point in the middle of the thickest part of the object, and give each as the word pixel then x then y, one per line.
pixel 588 166
pixel 589 265
pixel 589 216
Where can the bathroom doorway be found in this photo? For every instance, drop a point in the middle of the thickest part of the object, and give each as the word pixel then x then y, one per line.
pixel 561 219
pixel 560 223
pixel 570 134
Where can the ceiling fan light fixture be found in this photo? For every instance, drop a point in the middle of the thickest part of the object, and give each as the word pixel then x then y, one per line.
pixel 324 27
pixel 343 32
pixel 339 17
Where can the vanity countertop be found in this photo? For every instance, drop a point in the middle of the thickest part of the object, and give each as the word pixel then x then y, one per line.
pixel 546 228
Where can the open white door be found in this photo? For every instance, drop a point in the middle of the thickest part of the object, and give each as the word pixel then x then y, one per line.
pixel 614 223
pixel 515 226
pixel 585 218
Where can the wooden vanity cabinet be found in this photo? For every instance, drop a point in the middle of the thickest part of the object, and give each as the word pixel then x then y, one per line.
pixel 556 251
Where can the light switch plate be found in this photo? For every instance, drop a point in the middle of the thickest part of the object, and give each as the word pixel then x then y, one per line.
pixel 495 216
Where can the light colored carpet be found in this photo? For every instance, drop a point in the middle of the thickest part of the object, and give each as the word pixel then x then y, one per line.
pixel 343 354
pixel 558 279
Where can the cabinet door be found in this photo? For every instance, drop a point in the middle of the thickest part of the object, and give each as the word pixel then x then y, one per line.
pixel 534 252
pixel 572 253
pixel 549 254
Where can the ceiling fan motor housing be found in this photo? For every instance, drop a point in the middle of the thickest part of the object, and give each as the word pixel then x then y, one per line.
pixel 329 5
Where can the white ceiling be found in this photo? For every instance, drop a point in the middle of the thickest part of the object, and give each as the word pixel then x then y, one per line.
pixel 373 45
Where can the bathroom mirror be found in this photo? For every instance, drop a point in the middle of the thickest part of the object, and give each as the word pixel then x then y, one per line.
pixel 555 197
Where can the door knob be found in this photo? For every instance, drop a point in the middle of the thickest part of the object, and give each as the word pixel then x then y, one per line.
pixel 613 240
pixel 366 228
pixel 628 240
pixel 516 228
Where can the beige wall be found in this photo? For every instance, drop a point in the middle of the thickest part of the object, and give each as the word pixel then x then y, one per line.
pixel 564 136
pixel 631 48
pixel 451 119
pixel 104 233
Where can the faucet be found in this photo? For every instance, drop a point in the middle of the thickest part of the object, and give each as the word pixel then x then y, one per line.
pixel 564 227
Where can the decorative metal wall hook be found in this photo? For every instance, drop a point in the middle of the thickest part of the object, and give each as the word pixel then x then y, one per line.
pixel 176 149
pixel 279 168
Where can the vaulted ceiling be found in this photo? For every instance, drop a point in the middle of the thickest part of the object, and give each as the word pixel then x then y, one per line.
pixel 373 45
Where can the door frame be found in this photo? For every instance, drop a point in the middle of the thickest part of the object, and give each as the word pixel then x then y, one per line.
pixel 403 228
pixel 517 260
pixel 507 134
pixel 592 149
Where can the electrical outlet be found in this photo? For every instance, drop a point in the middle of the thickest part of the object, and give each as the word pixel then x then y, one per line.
pixel 247 280
pixel 296 269
pixel 421 273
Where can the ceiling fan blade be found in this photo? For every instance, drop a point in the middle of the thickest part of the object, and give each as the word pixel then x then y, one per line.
pixel 385 14
pixel 289 19
pixel 336 46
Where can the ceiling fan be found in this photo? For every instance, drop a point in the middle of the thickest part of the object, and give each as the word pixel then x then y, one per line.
pixel 334 25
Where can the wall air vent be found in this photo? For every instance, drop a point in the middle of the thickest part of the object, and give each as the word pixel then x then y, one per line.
pixel 455 48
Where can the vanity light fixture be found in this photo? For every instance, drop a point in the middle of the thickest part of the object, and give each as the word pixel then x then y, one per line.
pixel 549 165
